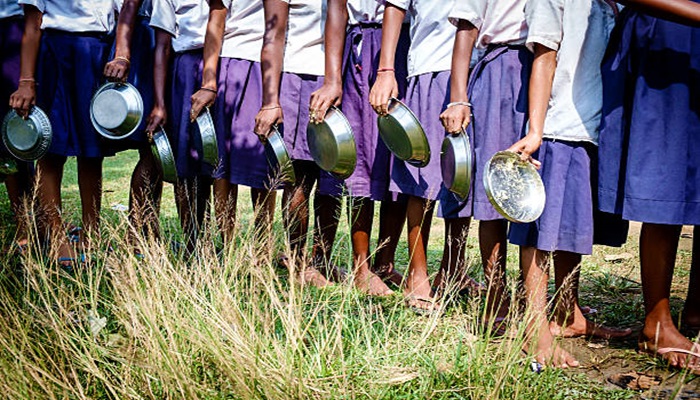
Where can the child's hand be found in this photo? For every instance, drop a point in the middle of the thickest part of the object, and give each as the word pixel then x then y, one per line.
pixel 526 146
pixel 266 118
pixel 456 118
pixel 117 69
pixel 156 120
pixel 202 98
pixel 23 98
pixel 328 95
pixel 385 87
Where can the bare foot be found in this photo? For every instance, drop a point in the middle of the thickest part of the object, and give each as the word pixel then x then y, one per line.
pixel 671 346
pixel 547 353
pixel 369 283
pixel 392 276
pixel 312 276
pixel 418 293
pixel 577 325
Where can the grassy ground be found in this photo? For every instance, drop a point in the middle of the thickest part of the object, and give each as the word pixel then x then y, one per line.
pixel 230 325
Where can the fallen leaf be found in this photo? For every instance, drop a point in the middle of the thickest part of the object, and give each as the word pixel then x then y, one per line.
pixel 96 322
pixel 634 380
pixel 618 257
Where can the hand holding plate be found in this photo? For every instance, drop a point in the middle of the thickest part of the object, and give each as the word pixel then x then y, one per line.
pixel 204 97
pixel 23 98
pixel 456 118
pixel 117 69
pixel 330 94
pixel 384 89
pixel 156 120
pixel 267 117
pixel 526 146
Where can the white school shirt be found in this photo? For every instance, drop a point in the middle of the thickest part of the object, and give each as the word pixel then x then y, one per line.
pixel 245 28
pixel 144 10
pixel 498 21
pixel 365 11
pixel 579 30
pixel 304 51
pixel 432 36
pixel 185 20
pixel 10 8
pixel 76 15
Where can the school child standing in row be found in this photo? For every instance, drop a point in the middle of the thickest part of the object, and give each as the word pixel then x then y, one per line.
pixel 649 159
pixel 132 61
pixel 64 49
pixel 568 40
pixel 497 88
pixel 234 37
pixel 429 56
pixel 351 64
pixel 19 184
pixel 293 67
pixel 186 22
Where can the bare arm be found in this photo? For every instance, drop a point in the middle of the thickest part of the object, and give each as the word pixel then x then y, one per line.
pixel 24 97
pixel 118 68
pixel 386 86
pixel 681 11
pixel 331 93
pixel 271 59
pixel 457 117
pixel 213 41
pixel 161 60
pixel 540 91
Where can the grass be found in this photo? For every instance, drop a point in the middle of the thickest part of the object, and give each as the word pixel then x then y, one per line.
pixel 229 324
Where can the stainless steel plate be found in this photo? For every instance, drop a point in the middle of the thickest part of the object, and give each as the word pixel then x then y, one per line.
pixel 514 187
pixel 456 161
pixel 207 132
pixel 27 139
pixel 332 144
pixel 116 110
pixel 164 154
pixel 403 134
pixel 278 158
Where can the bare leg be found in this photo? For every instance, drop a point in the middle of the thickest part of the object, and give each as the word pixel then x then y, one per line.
pixel 19 191
pixel 418 217
pixel 361 211
pixel 568 319
pixel 90 184
pixel 146 191
pixel 392 216
pixel 493 246
pixel 540 341
pixel 691 309
pixel 50 175
pixel 225 202
pixel 191 197
pixel 453 267
pixel 264 206
pixel 657 248
pixel 327 214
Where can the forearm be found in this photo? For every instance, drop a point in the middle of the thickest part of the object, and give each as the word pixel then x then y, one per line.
pixel 272 53
pixel 160 66
pixel 681 11
pixel 212 43
pixel 30 42
pixel 336 24
pixel 461 57
pixel 391 30
pixel 125 28
pixel 540 88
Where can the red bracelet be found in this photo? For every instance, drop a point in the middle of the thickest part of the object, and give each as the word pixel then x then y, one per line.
pixel 385 70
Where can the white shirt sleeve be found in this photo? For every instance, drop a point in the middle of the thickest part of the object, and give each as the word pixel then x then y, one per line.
pixel 39 4
pixel 545 20
pixel 403 4
pixel 472 11
pixel 163 16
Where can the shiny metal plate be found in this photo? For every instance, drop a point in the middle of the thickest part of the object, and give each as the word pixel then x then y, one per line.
pixel 404 135
pixel 332 144
pixel 116 110
pixel 164 154
pixel 456 162
pixel 207 133
pixel 27 139
pixel 278 158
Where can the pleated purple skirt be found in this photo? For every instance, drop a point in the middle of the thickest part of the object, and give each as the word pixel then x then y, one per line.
pixel 242 155
pixel 650 132
pixel 295 94
pixel 362 47
pixel 427 96
pixel 183 135
pixel 69 72
pixel 10 44
pixel 498 88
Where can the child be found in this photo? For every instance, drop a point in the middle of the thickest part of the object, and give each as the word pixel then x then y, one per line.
pixel 427 94
pixel 135 47
pixel 498 91
pixel 71 42
pixel 350 72
pixel 649 158
pixel 565 89
pixel 186 22
pixel 19 184
pixel 237 36
pixel 299 62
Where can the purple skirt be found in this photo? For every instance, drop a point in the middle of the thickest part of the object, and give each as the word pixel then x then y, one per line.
pixel 650 132
pixel 10 44
pixel 242 155
pixel 361 58
pixel 295 94
pixel 426 95
pixel 69 72
pixel 183 135
pixel 143 43
pixel 498 87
